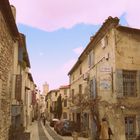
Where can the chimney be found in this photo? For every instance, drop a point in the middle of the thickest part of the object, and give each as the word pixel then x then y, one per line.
pixel 13 11
pixel 91 38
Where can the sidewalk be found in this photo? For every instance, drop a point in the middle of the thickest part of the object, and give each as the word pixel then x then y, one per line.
pixel 33 129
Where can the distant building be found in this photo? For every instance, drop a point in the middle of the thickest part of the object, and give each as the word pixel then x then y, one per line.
pixel 45 88
pixel 51 102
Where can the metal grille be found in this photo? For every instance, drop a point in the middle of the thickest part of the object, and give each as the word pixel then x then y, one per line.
pixel 129 83
pixel 130 127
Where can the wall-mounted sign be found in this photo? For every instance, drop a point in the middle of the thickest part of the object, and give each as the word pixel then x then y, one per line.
pixel 105 69
pixel 105 82
pixel 16 110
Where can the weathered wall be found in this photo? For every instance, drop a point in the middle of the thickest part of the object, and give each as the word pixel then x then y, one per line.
pixel 6 63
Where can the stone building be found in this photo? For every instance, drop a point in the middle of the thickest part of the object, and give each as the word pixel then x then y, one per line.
pixel 8 38
pixel 45 88
pixel 52 101
pixel 106 79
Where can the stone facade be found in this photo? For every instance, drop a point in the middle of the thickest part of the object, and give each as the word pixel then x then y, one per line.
pixel 6 64
pixel 109 73
pixel 51 102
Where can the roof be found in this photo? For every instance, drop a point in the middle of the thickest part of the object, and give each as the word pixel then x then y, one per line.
pixel 54 90
pixel 5 8
pixel 128 29
pixel 109 23
pixel 64 87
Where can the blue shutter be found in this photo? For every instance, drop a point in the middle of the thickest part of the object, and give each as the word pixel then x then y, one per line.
pixel 20 54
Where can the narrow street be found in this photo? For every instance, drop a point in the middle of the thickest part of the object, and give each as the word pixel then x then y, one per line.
pixel 40 132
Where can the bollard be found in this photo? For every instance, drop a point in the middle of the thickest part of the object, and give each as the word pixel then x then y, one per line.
pixel 75 136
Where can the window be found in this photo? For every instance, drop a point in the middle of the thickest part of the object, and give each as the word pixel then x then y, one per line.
pixel 65 91
pixel 56 93
pixel 72 95
pixel 104 42
pixel 91 59
pixel 80 92
pixel 64 115
pixel 47 105
pixel 80 89
pixel 20 54
pixel 129 83
pixel 130 126
pixel 65 103
pixel 80 70
pixel 93 88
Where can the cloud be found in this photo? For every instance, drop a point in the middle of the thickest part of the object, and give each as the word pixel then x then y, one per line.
pixel 51 15
pixel 132 13
pixel 41 53
pixel 78 50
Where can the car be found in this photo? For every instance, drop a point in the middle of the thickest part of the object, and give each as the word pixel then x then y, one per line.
pixel 53 121
pixel 65 127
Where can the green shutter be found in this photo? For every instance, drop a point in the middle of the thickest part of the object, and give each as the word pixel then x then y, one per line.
pixel 119 83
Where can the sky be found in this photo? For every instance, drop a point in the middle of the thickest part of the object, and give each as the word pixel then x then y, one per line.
pixel 57 31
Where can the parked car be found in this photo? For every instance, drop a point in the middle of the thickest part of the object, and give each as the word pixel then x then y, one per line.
pixel 53 121
pixel 65 127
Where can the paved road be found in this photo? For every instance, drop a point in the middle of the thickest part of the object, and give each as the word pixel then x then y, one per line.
pixel 52 133
pixel 42 135
pixel 40 132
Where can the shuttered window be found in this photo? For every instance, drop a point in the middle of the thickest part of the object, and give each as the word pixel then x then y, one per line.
pixel 91 59
pixel 126 83
pixel 130 126
pixel 72 95
pixel 129 83
pixel 65 103
pixel 20 54
pixel 93 88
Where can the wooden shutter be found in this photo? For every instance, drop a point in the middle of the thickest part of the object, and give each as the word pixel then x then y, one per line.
pixel 94 87
pixel 119 83
pixel 89 60
pixel 92 58
pixel 18 87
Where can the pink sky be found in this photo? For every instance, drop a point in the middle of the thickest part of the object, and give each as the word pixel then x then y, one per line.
pixel 51 15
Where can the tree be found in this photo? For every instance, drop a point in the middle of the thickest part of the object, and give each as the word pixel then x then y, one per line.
pixel 59 106
pixel 88 101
